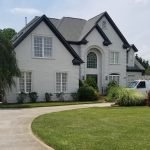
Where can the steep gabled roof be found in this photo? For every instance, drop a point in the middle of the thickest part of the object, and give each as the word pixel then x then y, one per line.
pixel 33 24
pixel 92 23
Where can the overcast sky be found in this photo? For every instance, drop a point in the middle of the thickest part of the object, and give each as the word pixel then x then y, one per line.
pixel 131 16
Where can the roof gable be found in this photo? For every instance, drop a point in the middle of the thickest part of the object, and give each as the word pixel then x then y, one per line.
pixel 77 60
pixel 126 44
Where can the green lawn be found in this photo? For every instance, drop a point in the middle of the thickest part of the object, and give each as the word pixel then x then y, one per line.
pixel 96 129
pixel 44 104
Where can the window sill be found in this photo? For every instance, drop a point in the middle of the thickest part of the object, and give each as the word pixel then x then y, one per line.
pixel 46 58
pixel 114 64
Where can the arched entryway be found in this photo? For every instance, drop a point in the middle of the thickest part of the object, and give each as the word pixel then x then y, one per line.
pixel 93 67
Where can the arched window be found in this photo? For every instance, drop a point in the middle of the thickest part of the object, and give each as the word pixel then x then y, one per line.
pixel 91 60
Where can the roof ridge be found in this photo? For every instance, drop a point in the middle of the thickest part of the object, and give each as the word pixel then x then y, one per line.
pixel 97 15
pixel 75 18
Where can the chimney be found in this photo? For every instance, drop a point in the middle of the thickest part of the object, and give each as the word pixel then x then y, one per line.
pixel 25 21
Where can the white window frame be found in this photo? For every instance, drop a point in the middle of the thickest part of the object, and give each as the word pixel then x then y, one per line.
pixel 113 76
pixel 114 55
pixel 61 85
pixel 33 51
pixel 90 64
pixel 25 82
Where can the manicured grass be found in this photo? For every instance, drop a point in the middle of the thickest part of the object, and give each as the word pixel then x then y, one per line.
pixel 44 104
pixel 96 129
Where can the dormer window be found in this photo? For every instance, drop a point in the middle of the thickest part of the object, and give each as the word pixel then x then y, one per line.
pixel 104 25
pixel 42 46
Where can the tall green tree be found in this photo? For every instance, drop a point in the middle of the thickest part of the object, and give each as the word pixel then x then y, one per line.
pixel 8 64
pixel 8 33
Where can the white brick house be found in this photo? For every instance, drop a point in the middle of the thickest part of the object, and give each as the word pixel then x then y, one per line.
pixel 53 54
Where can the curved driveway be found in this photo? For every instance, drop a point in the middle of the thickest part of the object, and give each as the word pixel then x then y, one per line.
pixel 15 126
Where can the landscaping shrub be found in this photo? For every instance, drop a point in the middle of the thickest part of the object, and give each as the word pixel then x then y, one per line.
pixel 74 96
pixel 33 97
pixel 60 96
pixel 48 97
pixel 126 97
pixel 81 83
pixel 21 97
pixel 110 85
pixel 86 93
pixel 91 82
pixel 148 98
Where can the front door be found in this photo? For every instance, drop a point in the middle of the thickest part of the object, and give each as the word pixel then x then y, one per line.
pixel 92 76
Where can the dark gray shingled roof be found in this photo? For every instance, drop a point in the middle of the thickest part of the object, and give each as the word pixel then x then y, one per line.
pixel 72 29
pixel 136 68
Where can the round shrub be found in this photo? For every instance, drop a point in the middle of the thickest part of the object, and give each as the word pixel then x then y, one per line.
pixel 33 97
pixel 21 97
pixel 48 97
pixel 87 93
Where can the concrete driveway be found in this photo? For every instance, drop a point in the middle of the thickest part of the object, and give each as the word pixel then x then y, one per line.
pixel 15 126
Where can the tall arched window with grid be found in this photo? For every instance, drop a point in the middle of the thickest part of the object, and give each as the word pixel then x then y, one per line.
pixel 91 60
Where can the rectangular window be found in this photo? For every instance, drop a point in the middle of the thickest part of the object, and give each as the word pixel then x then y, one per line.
pixel 25 82
pixel 114 57
pixel 61 82
pixel 114 78
pixel 42 46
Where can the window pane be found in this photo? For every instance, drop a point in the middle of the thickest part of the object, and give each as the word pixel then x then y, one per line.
pixel 37 46
pixel 91 60
pixel 61 82
pixel 47 46
pixel 58 82
pixel 21 82
pixel 114 57
pixel 28 82
pixel 64 82
pixel 141 85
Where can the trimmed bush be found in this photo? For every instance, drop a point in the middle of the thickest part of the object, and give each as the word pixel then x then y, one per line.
pixel 126 97
pixel 60 96
pixel 74 96
pixel 48 97
pixel 86 93
pixel 33 97
pixel 21 97
pixel 91 82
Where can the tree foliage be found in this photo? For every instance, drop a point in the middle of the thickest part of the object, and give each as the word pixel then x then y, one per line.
pixel 8 33
pixel 145 64
pixel 8 62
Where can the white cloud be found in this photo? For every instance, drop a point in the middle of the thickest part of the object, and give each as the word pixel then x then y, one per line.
pixel 25 11
pixel 141 1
